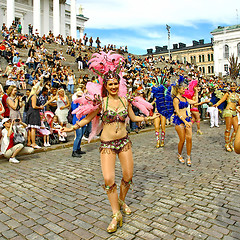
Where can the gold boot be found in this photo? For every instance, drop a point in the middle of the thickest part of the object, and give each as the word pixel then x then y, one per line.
pixel 113 226
pixel 232 141
pixel 162 138
pixel 158 144
pixel 126 209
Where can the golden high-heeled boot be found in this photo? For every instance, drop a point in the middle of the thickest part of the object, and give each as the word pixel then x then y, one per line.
pixel 158 144
pixel 126 209
pixel 112 227
pixel 232 141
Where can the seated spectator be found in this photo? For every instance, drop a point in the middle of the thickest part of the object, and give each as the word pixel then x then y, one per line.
pixel 8 148
pixel 30 62
pixel 56 126
pixel 21 79
pixel 16 58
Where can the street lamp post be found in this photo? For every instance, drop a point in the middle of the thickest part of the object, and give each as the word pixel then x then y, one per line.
pixel 168 29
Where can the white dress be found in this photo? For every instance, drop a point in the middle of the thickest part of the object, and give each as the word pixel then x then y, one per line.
pixel 62 114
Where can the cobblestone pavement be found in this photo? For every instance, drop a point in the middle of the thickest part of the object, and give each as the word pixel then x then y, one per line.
pixel 51 195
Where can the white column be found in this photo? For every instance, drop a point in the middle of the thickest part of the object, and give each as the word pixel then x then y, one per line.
pixel 56 18
pixel 81 31
pixel 73 19
pixel 10 12
pixel 36 16
pixel 46 17
pixel 63 23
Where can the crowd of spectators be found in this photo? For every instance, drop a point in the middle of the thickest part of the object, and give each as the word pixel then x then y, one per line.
pixel 40 83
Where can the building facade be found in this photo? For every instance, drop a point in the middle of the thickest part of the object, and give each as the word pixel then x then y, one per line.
pixel 226 42
pixel 200 54
pixel 44 15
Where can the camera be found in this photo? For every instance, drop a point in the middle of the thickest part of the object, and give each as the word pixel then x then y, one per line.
pixel 17 120
pixel 19 94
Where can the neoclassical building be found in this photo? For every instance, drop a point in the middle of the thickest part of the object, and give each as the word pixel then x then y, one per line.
pixel 226 41
pixel 44 15
pixel 199 54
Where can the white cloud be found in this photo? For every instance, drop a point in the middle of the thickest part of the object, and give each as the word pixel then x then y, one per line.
pixel 109 14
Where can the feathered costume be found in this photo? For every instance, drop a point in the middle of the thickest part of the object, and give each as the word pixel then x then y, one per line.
pixel 105 65
pixel 189 93
pixel 162 94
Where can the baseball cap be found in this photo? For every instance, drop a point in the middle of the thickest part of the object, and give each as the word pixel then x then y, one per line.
pixel 5 120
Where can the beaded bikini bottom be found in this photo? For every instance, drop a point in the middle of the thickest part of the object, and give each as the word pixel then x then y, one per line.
pixel 115 146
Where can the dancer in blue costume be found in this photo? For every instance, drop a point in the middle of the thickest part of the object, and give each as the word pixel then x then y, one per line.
pixel 160 94
pixel 181 119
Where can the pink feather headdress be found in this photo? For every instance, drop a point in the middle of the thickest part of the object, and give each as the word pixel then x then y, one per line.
pixel 189 93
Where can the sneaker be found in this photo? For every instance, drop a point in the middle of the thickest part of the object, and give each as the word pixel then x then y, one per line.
pixel 13 160
pixel 217 126
pixel 36 146
pixel 84 138
pixel 79 151
pixel 45 145
pixel 211 126
pixel 75 154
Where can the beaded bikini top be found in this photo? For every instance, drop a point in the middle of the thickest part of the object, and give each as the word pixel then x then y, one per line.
pixel 111 116
pixel 182 104
pixel 234 98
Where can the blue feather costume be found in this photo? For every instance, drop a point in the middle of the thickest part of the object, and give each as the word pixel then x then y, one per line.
pixel 163 100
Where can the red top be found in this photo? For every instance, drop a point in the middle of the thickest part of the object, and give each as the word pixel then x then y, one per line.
pixel 2 47
pixel 4 102
pixel 11 143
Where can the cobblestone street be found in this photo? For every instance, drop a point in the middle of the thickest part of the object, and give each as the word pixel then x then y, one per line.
pixel 53 196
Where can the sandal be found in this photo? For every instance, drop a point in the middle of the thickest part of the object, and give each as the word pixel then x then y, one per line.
pixel 199 132
pixel 126 209
pixel 112 227
pixel 181 159
pixel 228 148
pixel 188 163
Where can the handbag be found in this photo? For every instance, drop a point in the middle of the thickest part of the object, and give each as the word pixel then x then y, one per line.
pixel 18 137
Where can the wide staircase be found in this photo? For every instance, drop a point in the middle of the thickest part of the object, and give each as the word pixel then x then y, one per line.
pixel 70 61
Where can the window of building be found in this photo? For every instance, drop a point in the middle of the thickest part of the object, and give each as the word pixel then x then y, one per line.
pixel 209 69
pixel 200 69
pixel 226 51
pixel 212 67
pixel 238 50
pixel 212 57
pixel 184 60
pixel 200 58
pixel 203 58
pixel 226 67
pixel 209 57
pixel 203 70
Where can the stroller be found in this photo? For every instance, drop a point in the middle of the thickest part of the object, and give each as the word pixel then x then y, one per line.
pixel 53 137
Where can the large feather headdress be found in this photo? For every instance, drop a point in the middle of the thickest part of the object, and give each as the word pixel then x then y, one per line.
pixel 108 65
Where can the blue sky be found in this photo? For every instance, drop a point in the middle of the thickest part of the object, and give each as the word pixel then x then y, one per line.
pixel 142 24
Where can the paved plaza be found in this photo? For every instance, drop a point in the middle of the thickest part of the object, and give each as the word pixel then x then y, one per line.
pixel 51 195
